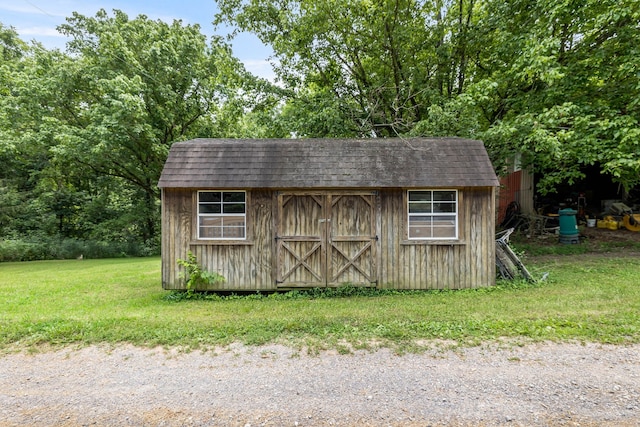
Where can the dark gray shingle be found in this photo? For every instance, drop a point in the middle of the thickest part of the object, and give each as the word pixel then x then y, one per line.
pixel 328 163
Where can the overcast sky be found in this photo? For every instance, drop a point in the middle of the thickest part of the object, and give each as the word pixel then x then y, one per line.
pixel 38 19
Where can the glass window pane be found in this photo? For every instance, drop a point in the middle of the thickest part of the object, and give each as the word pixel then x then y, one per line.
pixel 211 221
pixel 221 215
pixel 233 221
pixel 432 214
pixel 424 196
pixel 444 207
pixel 209 208
pixel 210 196
pixel 233 232
pixel 419 220
pixel 234 197
pixel 444 227
pixel 444 232
pixel 420 207
pixel 233 208
pixel 420 231
pixel 440 220
pixel 210 232
pixel 444 196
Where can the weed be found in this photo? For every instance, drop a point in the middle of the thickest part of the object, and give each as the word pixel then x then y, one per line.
pixel 196 276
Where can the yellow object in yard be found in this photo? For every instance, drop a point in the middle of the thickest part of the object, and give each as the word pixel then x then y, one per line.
pixel 608 222
pixel 631 222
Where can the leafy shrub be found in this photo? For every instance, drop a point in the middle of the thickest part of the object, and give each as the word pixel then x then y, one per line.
pixel 53 248
pixel 196 276
pixel 18 250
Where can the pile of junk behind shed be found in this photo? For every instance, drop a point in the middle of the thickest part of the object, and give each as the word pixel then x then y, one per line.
pixel 594 202
pixel 593 209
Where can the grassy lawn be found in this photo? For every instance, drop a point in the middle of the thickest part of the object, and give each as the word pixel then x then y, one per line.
pixel 585 298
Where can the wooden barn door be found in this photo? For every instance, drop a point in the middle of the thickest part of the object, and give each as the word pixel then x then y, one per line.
pixel 352 241
pixel 326 239
pixel 301 240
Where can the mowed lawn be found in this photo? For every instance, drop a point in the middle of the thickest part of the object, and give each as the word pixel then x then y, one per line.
pixel 585 298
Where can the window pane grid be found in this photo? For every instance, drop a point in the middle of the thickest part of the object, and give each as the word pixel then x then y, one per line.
pixel 433 214
pixel 222 215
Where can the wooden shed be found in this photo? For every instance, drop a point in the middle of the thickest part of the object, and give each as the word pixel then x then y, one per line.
pixel 273 214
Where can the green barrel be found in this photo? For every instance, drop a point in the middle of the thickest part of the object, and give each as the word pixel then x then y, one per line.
pixel 568 225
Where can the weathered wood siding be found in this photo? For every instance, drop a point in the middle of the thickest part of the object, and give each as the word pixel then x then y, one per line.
pixel 468 262
pixel 246 265
pixel 177 212
pixel 295 239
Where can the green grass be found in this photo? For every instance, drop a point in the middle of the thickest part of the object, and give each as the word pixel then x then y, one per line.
pixel 43 303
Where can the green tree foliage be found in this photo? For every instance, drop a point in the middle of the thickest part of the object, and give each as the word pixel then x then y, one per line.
pixel 138 86
pixel 376 67
pixel 12 51
pixel 85 133
pixel 559 82
pixel 555 80
pixel 11 46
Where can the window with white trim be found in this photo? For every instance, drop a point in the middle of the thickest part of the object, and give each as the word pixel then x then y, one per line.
pixel 433 214
pixel 222 215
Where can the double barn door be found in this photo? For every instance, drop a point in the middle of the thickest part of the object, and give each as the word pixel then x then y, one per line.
pixel 326 239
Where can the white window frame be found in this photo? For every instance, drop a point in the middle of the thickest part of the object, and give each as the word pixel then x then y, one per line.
pixel 431 214
pixel 202 216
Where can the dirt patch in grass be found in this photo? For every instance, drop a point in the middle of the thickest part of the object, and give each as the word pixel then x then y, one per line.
pixel 600 242
pixel 604 242
pixel 600 235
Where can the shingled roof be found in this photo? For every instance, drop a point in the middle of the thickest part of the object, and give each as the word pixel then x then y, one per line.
pixel 328 163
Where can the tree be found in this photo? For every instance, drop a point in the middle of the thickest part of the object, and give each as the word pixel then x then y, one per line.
pixel 11 46
pixel 384 63
pixel 132 89
pixel 558 82
pixel 12 53
pixel 85 134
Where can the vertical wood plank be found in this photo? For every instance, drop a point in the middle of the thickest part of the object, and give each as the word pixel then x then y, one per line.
pixel 393 262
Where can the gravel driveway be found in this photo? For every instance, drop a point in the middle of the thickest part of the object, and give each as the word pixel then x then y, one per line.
pixel 534 385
